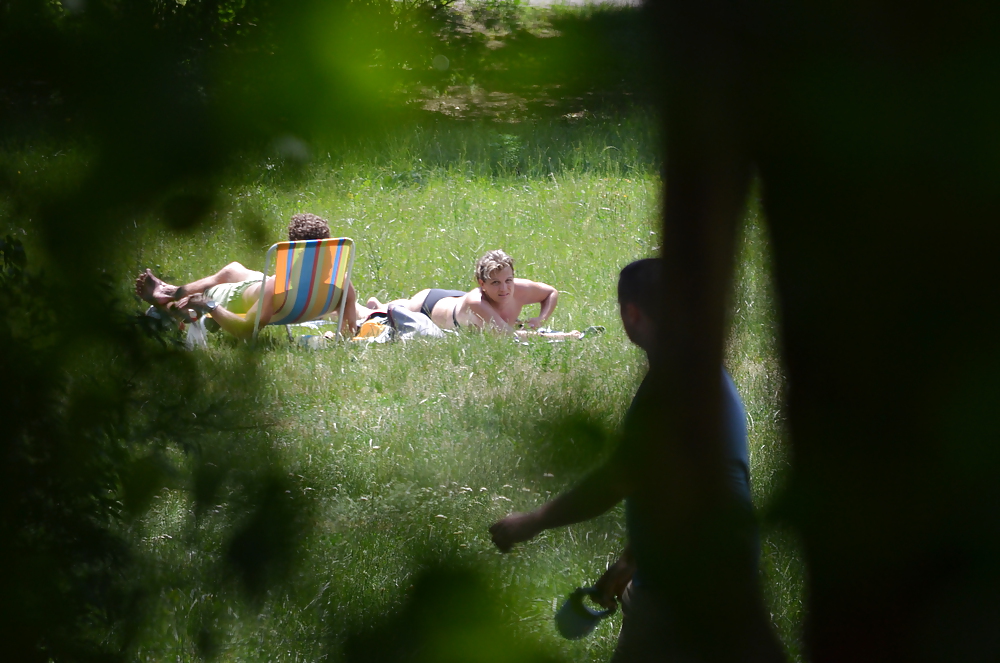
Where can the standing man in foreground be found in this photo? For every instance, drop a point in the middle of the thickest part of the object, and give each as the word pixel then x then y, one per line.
pixel 496 303
pixel 649 624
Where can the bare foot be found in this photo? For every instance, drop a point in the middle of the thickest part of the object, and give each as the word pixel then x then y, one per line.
pixel 153 290
pixel 373 303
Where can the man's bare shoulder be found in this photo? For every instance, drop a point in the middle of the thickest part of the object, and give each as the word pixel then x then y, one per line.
pixel 531 292
pixel 474 296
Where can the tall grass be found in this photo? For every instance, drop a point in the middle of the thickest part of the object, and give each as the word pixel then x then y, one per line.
pixel 404 453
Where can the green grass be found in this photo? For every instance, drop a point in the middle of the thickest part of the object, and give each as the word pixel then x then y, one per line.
pixel 404 454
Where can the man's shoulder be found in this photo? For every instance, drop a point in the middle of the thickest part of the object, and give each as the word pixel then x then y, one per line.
pixel 532 284
pixel 474 296
pixel 647 394
pixel 530 291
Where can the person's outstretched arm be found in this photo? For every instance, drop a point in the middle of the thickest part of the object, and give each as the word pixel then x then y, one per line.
pixel 598 492
pixel 537 293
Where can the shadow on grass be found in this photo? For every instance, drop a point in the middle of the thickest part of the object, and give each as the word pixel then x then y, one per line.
pixel 569 441
pixel 450 615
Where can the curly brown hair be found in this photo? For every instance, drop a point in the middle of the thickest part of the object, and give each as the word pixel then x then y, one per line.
pixel 307 226
pixel 491 262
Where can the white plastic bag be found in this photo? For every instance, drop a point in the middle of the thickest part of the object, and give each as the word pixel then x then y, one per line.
pixel 197 335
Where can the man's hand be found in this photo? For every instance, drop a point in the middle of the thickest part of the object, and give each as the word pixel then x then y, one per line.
pixel 613 582
pixel 198 302
pixel 535 323
pixel 513 529
pixel 180 310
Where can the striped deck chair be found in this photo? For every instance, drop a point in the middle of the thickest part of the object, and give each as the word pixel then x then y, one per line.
pixel 311 279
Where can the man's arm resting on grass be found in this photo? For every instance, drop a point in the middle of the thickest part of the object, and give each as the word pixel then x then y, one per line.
pixel 543 294
pixel 599 491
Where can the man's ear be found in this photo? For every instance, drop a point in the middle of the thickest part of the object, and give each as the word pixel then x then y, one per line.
pixel 630 313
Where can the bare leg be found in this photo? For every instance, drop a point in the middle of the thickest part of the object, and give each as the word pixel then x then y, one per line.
pixel 376 305
pixel 363 311
pixel 350 311
pixel 158 293
pixel 413 303
pixel 384 306
pixel 234 272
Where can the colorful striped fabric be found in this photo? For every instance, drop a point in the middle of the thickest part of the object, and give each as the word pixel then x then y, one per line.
pixel 311 277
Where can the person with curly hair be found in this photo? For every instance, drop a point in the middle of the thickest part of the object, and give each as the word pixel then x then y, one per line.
pixel 496 302
pixel 307 226
pixel 232 294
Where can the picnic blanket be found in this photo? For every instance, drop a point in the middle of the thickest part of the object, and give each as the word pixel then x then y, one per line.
pixel 402 324
pixel 555 336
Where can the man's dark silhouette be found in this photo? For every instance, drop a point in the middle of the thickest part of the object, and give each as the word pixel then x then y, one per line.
pixel 639 578
pixel 874 129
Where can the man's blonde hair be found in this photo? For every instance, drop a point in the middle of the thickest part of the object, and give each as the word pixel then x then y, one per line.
pixel 491 262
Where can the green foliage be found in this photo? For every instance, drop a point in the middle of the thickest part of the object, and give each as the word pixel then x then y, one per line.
pixel 451 615
pixel 506 60
pixel 100 413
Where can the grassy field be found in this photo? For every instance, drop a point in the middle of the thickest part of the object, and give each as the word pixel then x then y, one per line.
pixel 404 453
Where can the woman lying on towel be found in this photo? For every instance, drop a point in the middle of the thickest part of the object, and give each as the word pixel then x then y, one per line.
pixel 496 303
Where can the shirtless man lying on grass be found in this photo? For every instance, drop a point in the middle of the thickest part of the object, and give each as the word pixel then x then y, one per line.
pixel 497 301
pixel 232 294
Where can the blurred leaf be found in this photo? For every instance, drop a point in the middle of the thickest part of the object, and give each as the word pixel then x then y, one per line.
pixel 186 210
pixel 142 479
pixel 451 616
pixel 264 547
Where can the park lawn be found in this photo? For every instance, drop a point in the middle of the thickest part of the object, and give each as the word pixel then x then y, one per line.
pixel 406 452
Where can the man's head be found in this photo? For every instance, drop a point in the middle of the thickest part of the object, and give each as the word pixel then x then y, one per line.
pixel 495 274
pixel 639 293
pixel 491 262
pixel 307 226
